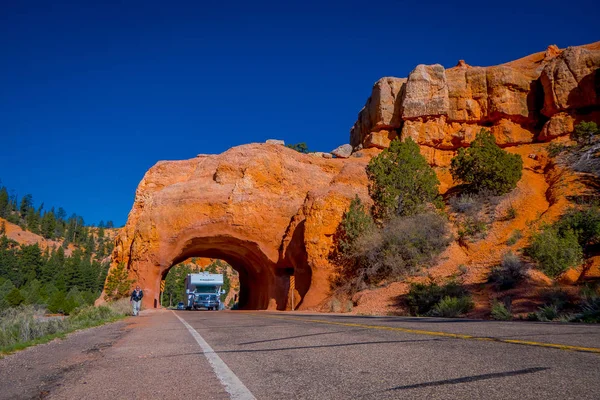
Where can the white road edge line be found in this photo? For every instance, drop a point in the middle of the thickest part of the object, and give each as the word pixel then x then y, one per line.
pixel 233 385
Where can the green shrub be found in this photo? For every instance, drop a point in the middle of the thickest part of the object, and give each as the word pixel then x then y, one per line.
pixel 25 325
pixel 509 273
pixel 422 298
pixel 473 228
pixel 466 203
pixel 585 132
pixel 544 314
pixel 485 166
pixel 500 312
pixel 452 307
pixel 555 149
pixel 555 252
pixel 399 248
pixel 585 223
pixel 590 312
pixel 514 237
pixel 401 181
pixel 511 213
pixel 355 222
pixel 299 147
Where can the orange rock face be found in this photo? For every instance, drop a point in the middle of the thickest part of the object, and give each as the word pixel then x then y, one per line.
pixel 444 109
pixel 267 210
pixel 271 212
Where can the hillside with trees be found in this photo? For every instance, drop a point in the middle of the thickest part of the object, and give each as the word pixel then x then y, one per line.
pixel 49 259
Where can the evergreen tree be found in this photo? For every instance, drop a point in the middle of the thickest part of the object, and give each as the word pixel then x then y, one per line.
pixel 90 245
pixel 26 204
pixel 5 289
pixel 485 166
pixel 14 298
pixel 61 214
pixel 117 283
pixel 48 225
pixel 32 293
pixel 401 181
pixel 32 220
pixel 74 274
pixel 9 261
pixel 355 222
pixel 299 147
pixel 30 263
pixel 4 202
pixel 2 228
pixel 52 267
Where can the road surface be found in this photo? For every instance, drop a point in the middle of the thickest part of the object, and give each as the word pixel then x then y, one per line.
pixel 221 355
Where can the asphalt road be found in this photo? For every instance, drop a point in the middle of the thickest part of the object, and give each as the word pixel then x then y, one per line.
pixel 322 356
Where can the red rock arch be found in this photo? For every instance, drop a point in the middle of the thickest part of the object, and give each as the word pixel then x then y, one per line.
pixel 267 210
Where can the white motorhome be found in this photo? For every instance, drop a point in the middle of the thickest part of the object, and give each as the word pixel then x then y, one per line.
pixel 203 290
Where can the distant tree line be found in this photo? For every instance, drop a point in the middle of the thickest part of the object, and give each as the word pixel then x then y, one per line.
pixel 49 277
pixel 62 283
pixel 53 224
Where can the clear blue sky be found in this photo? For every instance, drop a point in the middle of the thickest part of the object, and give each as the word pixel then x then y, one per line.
pixel 92 94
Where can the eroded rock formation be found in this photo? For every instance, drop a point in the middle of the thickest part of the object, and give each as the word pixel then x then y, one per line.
pixel 267 210
pixel 271 212
pixel 536 98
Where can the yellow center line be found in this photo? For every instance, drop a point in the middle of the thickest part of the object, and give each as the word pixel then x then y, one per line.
pixel 441 334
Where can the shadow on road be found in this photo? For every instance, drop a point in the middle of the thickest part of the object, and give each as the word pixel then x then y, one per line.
pixel 465 379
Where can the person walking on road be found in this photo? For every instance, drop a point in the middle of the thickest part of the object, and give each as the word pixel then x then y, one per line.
pixel 136 300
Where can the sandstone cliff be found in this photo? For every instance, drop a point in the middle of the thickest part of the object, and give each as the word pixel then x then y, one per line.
pixel 536 98
pixel 271 212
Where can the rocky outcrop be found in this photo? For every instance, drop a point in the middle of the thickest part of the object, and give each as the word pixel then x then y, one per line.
pixel 343 151
pixel 269 211
pixel 532 99
pixel 382 110
pixel 571 81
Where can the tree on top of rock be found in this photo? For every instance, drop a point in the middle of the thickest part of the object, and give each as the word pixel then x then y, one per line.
pixel 485 166
pixel 299 147
pixel 401 181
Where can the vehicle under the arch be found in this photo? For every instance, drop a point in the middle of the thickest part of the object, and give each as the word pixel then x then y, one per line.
pixel 203 290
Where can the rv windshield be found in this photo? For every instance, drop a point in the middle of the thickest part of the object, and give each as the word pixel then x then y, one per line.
pixel 207 289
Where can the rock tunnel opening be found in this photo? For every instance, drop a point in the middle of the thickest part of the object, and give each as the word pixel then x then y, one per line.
pixel 256 272
pixel 174 291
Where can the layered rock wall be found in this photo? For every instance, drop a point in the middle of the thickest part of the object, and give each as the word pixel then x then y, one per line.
pixel 536 98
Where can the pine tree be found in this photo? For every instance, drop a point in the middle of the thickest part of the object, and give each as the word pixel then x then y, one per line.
pixel 485 166
pixel 26 204
pixel 32 220
pixel 2 228
pixel 401 181
pixel 30 263
pixel 4 204
pixel 90 245
pixel 117 283
pixel 14 297
pixel 48 225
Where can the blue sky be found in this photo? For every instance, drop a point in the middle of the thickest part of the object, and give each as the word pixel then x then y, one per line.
pixel 92 94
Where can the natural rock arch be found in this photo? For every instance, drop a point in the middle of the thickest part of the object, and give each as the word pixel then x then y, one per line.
pixel 267 210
